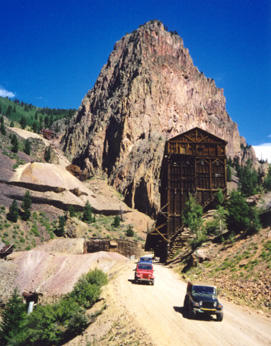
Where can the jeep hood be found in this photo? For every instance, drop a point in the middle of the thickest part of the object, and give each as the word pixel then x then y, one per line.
pixel 204 298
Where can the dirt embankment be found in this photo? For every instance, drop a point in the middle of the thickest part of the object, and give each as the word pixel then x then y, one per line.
pixel 52 269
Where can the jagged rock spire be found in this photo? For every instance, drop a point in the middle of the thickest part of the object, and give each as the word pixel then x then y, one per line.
pixel 148 91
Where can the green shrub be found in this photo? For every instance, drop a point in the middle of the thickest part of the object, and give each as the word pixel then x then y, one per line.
pixel 26 206
pixel 192 218
pixel 85 294
pixel 211 227
pixel 34 230
pixel 27 147
pixel 87 213
pixel 51 324
pixel 76 324
pixel 47 154
pixel 248 179
pixel 43 327
pixel 13 213
pixel 229 173
pixel 13 319
pixel 116 221
pixel 240 216
pixel 87 290
pixel 97 277
pixel 220 218
pixel 267 180
pixel 15 144
pixel 71 211
pixel 61 226
pixel 130 232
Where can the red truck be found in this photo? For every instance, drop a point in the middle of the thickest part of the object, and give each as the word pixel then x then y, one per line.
pixel 144 272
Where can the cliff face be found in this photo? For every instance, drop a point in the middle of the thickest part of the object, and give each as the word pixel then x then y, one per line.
pixel 148 92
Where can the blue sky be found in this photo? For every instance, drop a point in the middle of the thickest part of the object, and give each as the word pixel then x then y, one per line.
pixel 53 51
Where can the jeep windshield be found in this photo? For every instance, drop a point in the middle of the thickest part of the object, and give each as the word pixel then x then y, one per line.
pixel 203 290
pixel 144 266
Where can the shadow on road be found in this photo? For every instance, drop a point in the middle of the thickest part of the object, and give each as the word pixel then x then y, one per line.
pixel 181 310
pixel 147 283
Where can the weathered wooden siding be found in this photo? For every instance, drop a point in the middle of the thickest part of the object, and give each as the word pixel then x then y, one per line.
pixel 124 247
pixel 194 163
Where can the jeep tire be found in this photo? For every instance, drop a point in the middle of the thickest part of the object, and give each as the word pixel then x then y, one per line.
pixel 186 306
pixel 219 316
pixel 190 313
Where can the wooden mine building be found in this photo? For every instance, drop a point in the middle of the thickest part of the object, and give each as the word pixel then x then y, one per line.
pixel 194 163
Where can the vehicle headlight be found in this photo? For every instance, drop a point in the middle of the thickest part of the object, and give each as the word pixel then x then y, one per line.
pixel 215 304
pixel 200 303
pixel 196 304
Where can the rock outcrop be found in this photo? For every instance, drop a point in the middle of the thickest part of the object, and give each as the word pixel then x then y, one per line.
pixel 148 92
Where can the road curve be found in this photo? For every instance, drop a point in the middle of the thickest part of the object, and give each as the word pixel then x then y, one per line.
pixel 158 310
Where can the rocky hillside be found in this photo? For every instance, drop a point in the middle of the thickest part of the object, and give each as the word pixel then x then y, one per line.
pixel 54 191
pixel 148 92
pixel 240 267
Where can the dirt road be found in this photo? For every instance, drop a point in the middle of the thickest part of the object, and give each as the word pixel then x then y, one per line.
pixel 158 310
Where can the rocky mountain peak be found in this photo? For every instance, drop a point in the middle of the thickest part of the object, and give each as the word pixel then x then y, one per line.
pixel 148 92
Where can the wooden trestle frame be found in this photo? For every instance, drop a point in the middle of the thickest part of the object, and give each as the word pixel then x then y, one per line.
pixel 194 163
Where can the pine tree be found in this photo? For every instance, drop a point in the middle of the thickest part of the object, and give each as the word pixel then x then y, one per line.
pixel 267 180
pixel 13 211
pixel 192 218
pixel 26 206
pixel 15 144
pixel 87 213
pixel 229 173
pixel 8 112
pixel 116 221
pixel 61 226
pixel 248 179
pixel 35 126
pixel 220 197
pixel 13 318
pixel 3 129
pixel 47 154
pixel 46 121
pixel 241 218
pixel 23 122
pixel 71 211
pixel 130 232
pixel 27 147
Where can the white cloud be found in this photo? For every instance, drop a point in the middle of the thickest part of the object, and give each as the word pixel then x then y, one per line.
pixel 263 151
pixel 6 93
